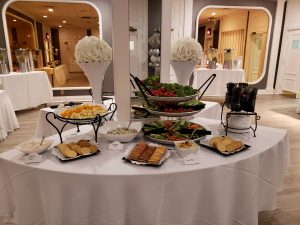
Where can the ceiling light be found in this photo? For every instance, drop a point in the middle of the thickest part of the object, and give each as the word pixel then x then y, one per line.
pixel 14 20
pixel 50 9
pixel 213 13
pixel 64 21
pixel 45 16
pixel 60 26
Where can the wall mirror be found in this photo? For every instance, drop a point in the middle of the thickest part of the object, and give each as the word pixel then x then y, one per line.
pixel 50 30
pixel 144 40
pixel 246 31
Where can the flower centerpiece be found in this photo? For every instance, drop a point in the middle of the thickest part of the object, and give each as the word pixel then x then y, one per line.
pixel 186 53
pixel 93 55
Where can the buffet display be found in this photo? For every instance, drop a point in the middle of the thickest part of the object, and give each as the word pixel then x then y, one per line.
pixel 173 101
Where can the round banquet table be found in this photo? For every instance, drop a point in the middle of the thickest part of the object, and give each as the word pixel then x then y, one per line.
pixel 103 189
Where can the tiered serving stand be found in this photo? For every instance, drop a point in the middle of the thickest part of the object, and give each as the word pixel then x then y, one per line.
pixel 95 121
pixel 149 98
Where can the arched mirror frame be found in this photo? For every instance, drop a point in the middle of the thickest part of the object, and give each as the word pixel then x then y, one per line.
pixel 6 5
pixel 268 33
pixel 25 21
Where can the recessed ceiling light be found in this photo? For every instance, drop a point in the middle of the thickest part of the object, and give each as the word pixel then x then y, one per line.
pixel 60 26
pixel 14 20
pixel 45 16
pixel 50 9
pixel 64 21
pixel 213 13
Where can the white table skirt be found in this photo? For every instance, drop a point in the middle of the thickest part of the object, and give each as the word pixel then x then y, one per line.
pixel 27 90
pixel 105 190
pixel 218 86
pixel 212 110
pixel 8 119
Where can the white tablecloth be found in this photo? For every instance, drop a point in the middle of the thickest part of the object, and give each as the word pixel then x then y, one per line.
pixel 8 119
pixel 105 190
pixel 218 87
pixel 27 90
pixel 212 110
pixel 58 75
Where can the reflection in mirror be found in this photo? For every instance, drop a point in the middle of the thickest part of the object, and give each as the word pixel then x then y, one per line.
pixel 51 37
pixel 243 31
pixel 144 45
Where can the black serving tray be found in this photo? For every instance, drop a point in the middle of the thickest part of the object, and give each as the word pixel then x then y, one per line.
pixel 205 143
pixel 78 157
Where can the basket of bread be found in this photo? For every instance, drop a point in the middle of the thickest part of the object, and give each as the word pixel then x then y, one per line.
pixel 224 145
pixel 150 154
pixel 75 150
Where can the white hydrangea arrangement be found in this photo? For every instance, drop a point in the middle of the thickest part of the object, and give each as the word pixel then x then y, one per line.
pixel 92 49
pixel 186 49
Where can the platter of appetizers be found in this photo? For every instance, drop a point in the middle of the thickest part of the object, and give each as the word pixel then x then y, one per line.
pixel 224 145
pixel 84 112
pixel 147 154
pixel 169 131
pixel 176 109
pixel 75 150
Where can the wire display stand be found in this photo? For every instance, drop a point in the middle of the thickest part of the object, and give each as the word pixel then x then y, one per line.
pixel 231 113
pixel 95 122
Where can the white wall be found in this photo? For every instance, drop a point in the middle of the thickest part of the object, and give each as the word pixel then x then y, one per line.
pixel 68 38
pixel 288 78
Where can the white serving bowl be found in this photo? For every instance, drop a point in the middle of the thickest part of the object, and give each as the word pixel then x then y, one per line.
pixel 185 151
pixel 34 146
pixel 111 125
pixel 239 123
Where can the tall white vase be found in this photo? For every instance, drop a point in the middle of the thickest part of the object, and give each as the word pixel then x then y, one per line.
pixel 95 73
pixel 183 70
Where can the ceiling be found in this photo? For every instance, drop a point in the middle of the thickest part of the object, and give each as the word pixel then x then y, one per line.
pixel 207 13
pixel 75 14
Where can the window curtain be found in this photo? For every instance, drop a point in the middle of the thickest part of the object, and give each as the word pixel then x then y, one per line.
pixel 232 39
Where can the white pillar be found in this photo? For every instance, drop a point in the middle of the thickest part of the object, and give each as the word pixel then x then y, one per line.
pixel 188 18
pixel 165 41
pixel 120 40
pixel 275 45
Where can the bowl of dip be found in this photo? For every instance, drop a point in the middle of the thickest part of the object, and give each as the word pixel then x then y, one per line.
pixel 185 148
pixel 34 146
pixel 119 131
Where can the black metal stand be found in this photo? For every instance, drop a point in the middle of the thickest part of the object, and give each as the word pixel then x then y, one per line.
pixel 95 122
pixel 225 124
pixel 143 89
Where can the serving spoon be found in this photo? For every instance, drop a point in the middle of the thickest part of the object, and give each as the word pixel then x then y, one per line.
pixel 129 125
pixel 43 138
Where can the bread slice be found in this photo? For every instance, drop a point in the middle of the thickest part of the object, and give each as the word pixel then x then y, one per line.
pixel 233 146
pixel 213 141
pixel 221 146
